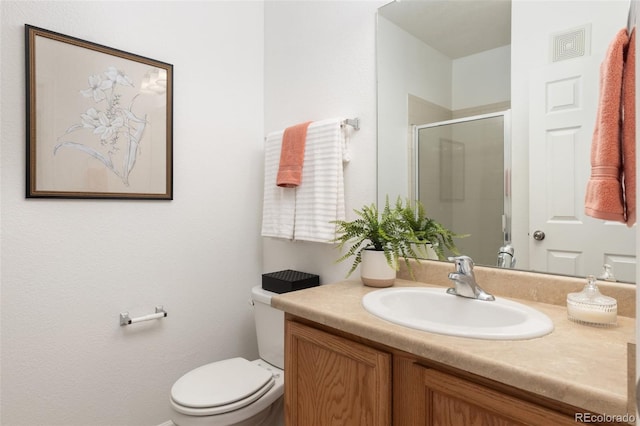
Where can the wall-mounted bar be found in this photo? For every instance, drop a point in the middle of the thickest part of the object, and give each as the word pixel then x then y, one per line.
pixel 126 320
pixel 353 122
pixel 633 15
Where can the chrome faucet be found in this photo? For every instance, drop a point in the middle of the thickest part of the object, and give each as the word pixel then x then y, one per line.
pixel 506 258
pixel 464 280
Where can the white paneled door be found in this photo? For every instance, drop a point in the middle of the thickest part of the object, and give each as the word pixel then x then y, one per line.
pixel 562 239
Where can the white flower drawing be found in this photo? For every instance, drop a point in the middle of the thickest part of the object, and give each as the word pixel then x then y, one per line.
pixel 117 127
pixel 97 87
pixel 117 76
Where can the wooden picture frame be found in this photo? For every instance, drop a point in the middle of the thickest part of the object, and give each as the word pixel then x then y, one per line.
pixel 99 120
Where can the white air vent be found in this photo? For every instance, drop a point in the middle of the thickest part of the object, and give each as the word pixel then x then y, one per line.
pixel 571 43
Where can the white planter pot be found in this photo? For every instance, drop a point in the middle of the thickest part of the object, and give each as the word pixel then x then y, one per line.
pixel 375 271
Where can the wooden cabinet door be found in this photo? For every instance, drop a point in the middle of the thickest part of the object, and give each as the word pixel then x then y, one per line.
pixel 409 392
pixel 330 380
pixel 424 396
pixel 454 401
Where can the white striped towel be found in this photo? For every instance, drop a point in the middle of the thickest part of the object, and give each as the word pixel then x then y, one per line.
pixel 278 208
pixel 320 197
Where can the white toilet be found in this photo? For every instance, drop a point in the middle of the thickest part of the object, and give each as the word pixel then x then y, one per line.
pixel 236 391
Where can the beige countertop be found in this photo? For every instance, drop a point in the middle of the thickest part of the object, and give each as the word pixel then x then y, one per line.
pixel 579 365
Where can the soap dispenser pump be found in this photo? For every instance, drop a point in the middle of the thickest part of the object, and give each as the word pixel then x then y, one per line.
pixel 590 307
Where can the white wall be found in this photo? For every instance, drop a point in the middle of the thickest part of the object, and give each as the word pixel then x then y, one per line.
pixel 481 79
pixel 320 63
pixel 69 267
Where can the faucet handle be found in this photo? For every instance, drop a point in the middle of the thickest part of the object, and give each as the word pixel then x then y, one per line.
pixel 464 264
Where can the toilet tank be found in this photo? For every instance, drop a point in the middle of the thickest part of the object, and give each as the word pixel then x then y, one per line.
pixel 269 327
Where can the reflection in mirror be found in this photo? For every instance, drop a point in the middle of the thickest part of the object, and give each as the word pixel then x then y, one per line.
pixel 445 60
pixel 450 153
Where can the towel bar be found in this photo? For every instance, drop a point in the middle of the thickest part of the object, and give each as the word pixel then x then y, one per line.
pixel 126 320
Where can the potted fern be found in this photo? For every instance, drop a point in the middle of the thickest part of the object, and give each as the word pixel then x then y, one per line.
pixel 376 240
pixel 430 236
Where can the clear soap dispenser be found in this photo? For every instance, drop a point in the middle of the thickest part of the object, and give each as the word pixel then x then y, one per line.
pixel 591 307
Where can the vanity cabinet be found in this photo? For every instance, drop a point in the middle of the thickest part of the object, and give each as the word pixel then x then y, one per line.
pixel 333 378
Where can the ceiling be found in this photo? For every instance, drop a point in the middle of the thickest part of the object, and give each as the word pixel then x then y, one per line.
pixel 456 28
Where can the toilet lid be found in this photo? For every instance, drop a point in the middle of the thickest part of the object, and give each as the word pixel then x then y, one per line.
pixel 221 383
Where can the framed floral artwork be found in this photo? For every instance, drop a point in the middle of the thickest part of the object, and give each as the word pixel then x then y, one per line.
pixel 99 120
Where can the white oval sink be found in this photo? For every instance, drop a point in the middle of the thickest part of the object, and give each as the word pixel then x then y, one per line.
pixel 433 310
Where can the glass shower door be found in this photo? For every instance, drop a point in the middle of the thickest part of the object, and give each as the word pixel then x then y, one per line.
pixel 462 175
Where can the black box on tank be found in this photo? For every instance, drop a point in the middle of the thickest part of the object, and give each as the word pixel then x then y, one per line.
pixel 288 280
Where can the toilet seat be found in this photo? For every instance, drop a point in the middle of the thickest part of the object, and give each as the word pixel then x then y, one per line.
pixel 220 387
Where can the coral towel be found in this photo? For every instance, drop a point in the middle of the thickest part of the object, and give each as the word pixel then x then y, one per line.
pixel 292 155
pixel 604 195
pixel 629 130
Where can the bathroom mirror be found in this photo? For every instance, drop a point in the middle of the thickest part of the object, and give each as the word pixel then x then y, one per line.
pixel 443 60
